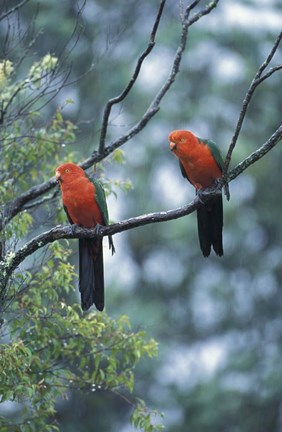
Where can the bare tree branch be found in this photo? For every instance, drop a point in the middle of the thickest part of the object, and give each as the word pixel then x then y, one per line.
pixel 17 205
pixel 201 13
pixel 13 9
pixel 256 155
pixel 155 104
pixel 154 107
pixel 22 201
pixel 14 207
pixel 258 79
pixel 122 96
pixel 41 201
pixel 74 231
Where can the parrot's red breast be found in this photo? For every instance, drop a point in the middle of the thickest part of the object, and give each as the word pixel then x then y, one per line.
pixel 201 163
pixel 196 158
pixel 78 195
pixel 85 204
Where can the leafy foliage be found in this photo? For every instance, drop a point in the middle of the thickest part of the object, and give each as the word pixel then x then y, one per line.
pixel 54 349
pixel 218 322
pixel 49 348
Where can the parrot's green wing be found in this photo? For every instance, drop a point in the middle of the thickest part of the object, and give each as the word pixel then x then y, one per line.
pixel 214 150
pixel 101 200
pixel 102 204
pixel 218 158
pixel 183 172
pixel 68 216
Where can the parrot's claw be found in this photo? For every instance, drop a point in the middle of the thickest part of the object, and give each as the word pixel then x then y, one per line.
pixel 201 193
pixel 97 230
pixel 217 185
pixel 73 227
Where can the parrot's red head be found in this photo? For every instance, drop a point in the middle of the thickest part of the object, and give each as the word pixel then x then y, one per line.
pixel 180 141
pixel 68 171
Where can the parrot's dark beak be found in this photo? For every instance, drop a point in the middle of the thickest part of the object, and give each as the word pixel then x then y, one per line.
pixel 58 177
pixel 172 146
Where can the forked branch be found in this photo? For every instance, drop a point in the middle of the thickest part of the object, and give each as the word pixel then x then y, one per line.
pixel 16 206
pixel 59 232
pixel 258 79
pixel 123 95
pixel 69 232
pixel 13 9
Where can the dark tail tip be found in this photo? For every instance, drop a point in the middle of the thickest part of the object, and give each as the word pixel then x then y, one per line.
pixel 210 224
pixel 91 274
pixel 206 253
pixel 219 252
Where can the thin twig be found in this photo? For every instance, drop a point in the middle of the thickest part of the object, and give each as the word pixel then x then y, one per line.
pixel 202 12
pixel 16 206
pixel 122 96
pixel 155 104
pixel 256 155
pixel 41 201
pixel 258 79
pixel 74 231
pixel 13 9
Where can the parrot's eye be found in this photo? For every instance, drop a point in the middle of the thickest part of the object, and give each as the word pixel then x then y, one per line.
pixel 67 170
pixel 182 139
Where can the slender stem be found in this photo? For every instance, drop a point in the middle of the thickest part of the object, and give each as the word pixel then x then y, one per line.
pixel 60 232
pixel 258 79
pixel 122 96
pixel 256 155
pixel 16 206
pixel 13 9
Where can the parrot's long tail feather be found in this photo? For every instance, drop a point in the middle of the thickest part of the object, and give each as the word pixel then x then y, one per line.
pixel 91 273
pixel 210 224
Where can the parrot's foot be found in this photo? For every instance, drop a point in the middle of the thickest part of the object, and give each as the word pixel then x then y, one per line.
pixel 73 228
pixel 217 183
pixel 202 193
pixel 97 230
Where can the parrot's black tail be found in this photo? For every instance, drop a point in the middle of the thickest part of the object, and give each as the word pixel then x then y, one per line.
pixel 91 273
pixel 210 225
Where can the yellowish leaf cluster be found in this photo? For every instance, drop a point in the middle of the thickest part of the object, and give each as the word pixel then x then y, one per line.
pixel 6 68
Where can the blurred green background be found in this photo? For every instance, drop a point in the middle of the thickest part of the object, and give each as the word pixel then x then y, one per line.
pixel 217 320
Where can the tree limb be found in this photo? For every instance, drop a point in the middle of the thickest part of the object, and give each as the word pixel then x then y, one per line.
pixel 43 200
pixel 155 104
pixel 60 232
pixel 122 96
pixel 74 231
pixel 13 9
pixel 16 206
pixel 258 79
pixel 256 155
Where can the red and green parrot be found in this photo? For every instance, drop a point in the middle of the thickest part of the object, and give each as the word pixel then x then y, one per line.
pixel 201 163
pixel 85 204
